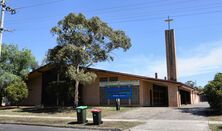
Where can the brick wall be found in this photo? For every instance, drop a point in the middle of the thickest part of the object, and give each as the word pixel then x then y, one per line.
pixel 35 92
pixel 173 95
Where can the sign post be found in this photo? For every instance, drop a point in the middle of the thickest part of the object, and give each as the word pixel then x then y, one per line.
pixel 117 104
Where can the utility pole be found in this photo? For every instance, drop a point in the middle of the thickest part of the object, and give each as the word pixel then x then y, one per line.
pixel 10 10
pixel 2 24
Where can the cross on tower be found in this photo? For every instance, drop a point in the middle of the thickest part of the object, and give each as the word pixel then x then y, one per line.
pixel 168 20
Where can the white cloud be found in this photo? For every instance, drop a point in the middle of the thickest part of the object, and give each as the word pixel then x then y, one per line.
pixel 204 59
pixel 200 60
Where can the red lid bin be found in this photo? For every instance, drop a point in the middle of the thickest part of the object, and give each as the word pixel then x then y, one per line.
pixel 96 110
pixel 97 117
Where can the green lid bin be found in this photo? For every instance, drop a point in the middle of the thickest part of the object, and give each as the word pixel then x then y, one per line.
pixel 81 114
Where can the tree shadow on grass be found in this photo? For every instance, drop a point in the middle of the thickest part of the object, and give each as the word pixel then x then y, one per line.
pixel 200 111
pixel 7 108
pixel 50 110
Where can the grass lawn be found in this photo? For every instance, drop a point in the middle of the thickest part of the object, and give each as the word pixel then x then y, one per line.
pixel 216 127
pixel 58 112
pixel 68 123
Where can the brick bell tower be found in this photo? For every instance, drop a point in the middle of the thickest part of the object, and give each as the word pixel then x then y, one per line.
pixel 170 52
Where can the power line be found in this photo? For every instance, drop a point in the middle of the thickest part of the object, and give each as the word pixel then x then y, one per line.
pixel 137 6
pixel 40 4
pixel 125 6
pixel 166 11
pixel 174 16
pixel 143 14
pixel 199 13
pixel 151 31
pixel 154 18
pixel 159 17
pixel 181 14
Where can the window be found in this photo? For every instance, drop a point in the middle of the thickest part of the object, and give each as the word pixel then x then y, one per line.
pixel 103 79
pixel 113 79
pixel 106 79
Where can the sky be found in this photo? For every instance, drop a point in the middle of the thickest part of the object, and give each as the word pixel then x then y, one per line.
pixel 197 25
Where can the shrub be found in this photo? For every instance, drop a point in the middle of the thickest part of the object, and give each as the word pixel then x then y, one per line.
pixel 17 91
pixel 213 91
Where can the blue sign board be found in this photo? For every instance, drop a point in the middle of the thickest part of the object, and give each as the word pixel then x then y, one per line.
pixel 119 93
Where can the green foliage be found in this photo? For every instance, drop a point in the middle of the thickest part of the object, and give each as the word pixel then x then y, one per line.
pixel 6 78
pixel 81 76
pixel 83 42
pixel 191 83
pixel 194 85
pixel 68 54
pixel 15 65
pixel 213 90
pixel 15 61
pixel 16 91
pixel 89 40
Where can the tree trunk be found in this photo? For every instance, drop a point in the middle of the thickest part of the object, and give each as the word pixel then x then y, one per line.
pixel 76 101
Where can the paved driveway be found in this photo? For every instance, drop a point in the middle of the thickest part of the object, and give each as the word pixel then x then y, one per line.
pixel 187 112
pixel 186 118
pixel 172 125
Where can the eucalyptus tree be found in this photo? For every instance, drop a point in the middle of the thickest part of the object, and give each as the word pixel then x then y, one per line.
pixel 83 42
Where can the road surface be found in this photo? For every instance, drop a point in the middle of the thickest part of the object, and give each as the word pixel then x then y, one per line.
pixel 9 127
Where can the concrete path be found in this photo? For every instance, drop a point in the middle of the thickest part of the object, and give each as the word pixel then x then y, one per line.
pixel 170 125
pixel 186 118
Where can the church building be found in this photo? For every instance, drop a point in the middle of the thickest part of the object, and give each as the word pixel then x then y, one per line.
pixel 131 89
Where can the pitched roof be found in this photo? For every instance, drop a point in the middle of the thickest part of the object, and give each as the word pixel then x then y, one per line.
pixel 50 66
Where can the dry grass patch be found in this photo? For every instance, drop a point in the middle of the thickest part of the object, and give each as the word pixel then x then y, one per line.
pixel 215 118
pixel 58 112
pixel 68 123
